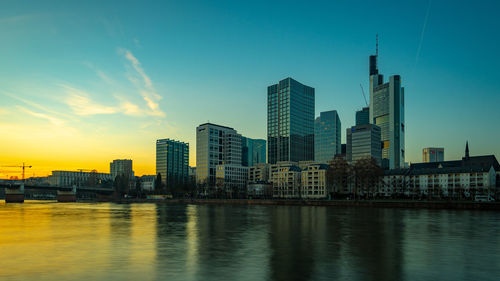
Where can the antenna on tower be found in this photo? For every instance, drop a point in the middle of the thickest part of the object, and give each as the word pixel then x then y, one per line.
pixel 376 45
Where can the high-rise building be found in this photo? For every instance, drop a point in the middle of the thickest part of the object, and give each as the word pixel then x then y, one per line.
pixel 363 116
pixel 327 133
pixel 363 141
pixel 433 154
pixel 387 112
pixel 215 145
pixel 172 162
pixel 253 151
pixel 290 121
pixel 121 167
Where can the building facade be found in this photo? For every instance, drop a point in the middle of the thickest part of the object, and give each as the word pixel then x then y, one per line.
pixel 215 145
pixel 290 121
pixel 363 116
pixel 286 181
pixel 147 182
pixel 433 154
pixel 259 173
pixel 363 141
pixel 253 151
pixel 314 181
pixel 387 112
pixel 78 178
pixel 232 180
pixel 121 167
pixel 327 136
pixel 172 162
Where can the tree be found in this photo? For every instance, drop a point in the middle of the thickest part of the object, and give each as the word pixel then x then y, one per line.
pixel 367 174
pixel 337 175
pixel 158 184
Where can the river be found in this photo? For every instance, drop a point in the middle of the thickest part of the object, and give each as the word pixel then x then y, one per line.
pixel 41 240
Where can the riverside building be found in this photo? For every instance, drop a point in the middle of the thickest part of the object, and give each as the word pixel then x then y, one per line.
pixel 121 167
pixel 327 133
pixel 172 161
pixel 290 121
pixel 216 145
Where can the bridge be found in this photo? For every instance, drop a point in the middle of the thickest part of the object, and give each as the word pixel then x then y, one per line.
pixel 14 191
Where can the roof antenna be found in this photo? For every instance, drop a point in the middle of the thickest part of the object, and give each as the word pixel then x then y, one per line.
pixel 376 44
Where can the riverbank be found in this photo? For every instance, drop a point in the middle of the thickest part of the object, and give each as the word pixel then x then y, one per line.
pixel 409 204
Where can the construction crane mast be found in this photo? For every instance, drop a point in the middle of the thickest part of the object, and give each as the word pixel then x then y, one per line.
pixel 24 166
pixel 364 96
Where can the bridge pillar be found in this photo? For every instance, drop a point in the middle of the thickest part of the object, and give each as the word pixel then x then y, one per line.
pixel 14 194
pixel 66 195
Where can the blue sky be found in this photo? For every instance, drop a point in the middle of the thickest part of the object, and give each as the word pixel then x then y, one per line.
pixel 85 82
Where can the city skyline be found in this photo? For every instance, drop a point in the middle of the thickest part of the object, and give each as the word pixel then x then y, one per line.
pixel 67 102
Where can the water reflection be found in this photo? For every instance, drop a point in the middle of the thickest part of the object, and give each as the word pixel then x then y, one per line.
pixel 208 242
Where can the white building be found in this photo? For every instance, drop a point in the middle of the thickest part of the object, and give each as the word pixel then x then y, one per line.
pixel 314 181
pixel 286 181
pixel 232 179
pixel 121 167
pixel 78 178
pixel 455 179
pixel 259 173
pixel 148 182
pixel 215 145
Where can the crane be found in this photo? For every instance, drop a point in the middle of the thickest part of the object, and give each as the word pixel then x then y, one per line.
pixel 24 166
pixel 364 96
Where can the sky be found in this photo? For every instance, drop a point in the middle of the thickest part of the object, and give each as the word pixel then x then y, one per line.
pixel 86 82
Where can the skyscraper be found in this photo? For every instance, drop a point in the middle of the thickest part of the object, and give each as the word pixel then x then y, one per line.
pixel 363 141
pixel 290 121
pixel 215 145
pixel 387 112
pixel 172 161
pixel 253 151
pixel 327 133
pixel 363 116
pixel 433 154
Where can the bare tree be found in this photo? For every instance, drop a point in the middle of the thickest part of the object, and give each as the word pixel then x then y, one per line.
pixel 337 175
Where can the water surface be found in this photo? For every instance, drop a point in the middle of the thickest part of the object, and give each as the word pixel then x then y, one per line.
pixel 106 241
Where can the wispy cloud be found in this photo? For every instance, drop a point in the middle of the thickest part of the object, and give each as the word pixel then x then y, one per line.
pixel 54 120
pixel 38 106
pixel 81 103
pixel 142 81
pixel 101 74
pixel 423 31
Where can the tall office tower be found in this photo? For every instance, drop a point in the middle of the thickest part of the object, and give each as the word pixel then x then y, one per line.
pixel 121 167
pixel 290 121
pixel 327 132
pixel 387 112
pixel 253 151
pixel 172 162
pixel 363 116
pixel 433 154
pixel 363 141
pixel 215 145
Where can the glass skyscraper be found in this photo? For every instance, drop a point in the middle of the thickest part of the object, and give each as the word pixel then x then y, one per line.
pixel 327 132
pixel 290 121
pixel 253 151
pixel 363 116
pixel 172 161
pixel 387 112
